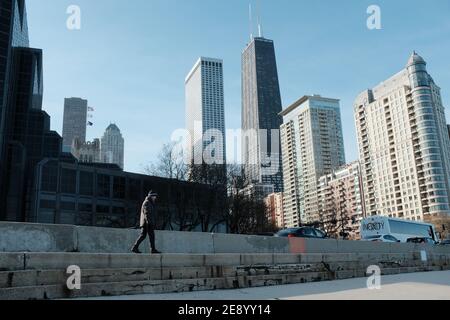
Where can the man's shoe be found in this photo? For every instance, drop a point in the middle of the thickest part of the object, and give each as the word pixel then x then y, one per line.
pixel 154 251
pixel 136 250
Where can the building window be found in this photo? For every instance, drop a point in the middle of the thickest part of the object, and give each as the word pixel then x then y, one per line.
pixel 103 186
pixel 102 209
pixel 85 207
pixel 119 188
pixel 68 206
pixel 86 183
pixel 68 181
pixel 48 204
pixel 49 178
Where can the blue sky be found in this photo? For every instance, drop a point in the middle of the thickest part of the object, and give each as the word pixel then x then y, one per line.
pixel 130 58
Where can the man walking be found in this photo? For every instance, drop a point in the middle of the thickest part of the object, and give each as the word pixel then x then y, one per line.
pixel 147 223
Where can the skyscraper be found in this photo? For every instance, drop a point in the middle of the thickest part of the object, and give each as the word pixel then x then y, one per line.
pixel 75 122
pixel 404 145
pixel 312 146
pixel 112 146
pixel 261 105
pixel 205 109
pixel 14 33
pixel 25 129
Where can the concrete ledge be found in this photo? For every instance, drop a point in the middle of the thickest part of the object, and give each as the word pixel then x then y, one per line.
pixel 105 240
pixel 25 237
pixel 225 243
pixel 362 247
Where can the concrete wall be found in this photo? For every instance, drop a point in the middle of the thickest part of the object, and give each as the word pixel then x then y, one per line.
pixel 22 237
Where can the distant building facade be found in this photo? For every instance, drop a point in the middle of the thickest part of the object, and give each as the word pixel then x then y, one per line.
pixel 88 152
pixel 257 191
pixel 103 195
pixel 312 146
pixel 74 122
pixel 113 146
pixel 341 201
pixel 274 205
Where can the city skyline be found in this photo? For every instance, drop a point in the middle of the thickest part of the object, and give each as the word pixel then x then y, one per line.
pixel 343 75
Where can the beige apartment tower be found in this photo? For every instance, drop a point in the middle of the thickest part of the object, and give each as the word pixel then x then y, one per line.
pixel 312 146
pixel 404 145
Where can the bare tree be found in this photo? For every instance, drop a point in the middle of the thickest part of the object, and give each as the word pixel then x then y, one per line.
pixel 334 223
pixel 170 163
pixel 210 206
pixel 245 214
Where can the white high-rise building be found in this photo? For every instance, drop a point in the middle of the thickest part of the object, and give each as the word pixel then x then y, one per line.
pixel 312 146
pixel 404 145
pixel 112 146
pixel 205 110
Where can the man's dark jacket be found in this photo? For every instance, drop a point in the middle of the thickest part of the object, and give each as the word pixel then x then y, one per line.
pixel 147 213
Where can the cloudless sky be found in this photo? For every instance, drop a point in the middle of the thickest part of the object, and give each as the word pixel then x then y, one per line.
pixel 130 58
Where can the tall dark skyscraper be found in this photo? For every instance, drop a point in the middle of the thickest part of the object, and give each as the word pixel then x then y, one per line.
pixel 261 106
pixel 13 33
pixel 25 129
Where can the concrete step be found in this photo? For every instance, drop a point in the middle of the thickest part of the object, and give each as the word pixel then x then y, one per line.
pixel 103 289
pixel 27 278
pixel 155 286
pixel 18 278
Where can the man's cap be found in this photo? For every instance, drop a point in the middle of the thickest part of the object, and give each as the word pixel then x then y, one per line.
pixel 152 194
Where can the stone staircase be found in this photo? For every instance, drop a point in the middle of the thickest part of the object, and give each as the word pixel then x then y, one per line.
pixel 25 276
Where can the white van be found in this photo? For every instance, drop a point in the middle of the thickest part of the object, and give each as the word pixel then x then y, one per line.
pixel 397 228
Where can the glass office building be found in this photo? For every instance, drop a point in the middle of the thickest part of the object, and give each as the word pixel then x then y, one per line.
pixel 13 33
pixel 261 105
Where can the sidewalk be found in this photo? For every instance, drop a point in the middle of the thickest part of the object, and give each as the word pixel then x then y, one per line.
pixel 417 286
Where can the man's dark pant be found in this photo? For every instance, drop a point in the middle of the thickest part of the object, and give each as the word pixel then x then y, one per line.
pixel 147 229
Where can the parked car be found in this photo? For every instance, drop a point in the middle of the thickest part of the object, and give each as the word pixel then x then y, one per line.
pixel 381 238
pixel 421 240
pixel 302 232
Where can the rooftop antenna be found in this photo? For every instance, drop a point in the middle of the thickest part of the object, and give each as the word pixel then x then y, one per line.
pixel 260 33
pixel 250 19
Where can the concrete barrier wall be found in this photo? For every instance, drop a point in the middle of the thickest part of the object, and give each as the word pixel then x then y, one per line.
pixel 17 237
pixel 23 237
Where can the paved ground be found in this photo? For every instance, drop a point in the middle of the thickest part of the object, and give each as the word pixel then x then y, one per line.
pixel 417 286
